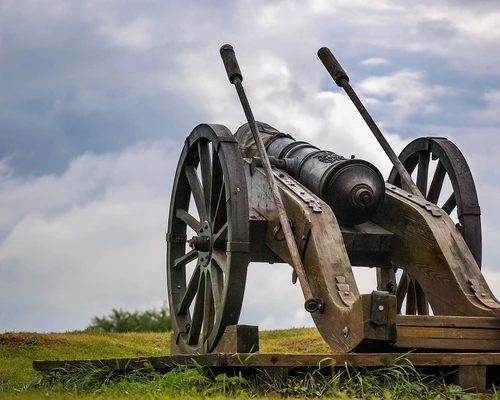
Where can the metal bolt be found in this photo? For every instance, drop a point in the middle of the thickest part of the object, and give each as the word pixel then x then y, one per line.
pixel 178 286
pixel 345 331
pixel 238 189
pixel 381 308
pixel 346 293
pixel 483 294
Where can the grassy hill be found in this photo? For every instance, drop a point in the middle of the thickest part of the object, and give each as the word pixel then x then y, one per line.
pixel 18 350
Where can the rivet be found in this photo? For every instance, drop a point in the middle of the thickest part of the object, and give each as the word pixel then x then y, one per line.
pixel 178 286
pixel 381 308
pixel 238 189
pixel 345 331
pixel 346 293
pixel 483 294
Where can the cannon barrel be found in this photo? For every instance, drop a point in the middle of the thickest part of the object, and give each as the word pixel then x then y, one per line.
pixel 353 188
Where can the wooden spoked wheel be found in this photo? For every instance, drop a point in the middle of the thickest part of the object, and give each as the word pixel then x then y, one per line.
pixel 207 239
pixel 450 173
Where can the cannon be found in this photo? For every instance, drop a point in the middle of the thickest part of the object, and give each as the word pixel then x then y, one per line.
pixel 261 196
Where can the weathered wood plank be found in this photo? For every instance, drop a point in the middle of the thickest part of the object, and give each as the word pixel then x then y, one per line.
pixel 448 321
pixel 448 333
pixel 368 244
pixel 281 360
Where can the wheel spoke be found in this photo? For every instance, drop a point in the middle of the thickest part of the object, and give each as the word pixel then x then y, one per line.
pixel 190 292
pixel 423 171
pixel 411 305
pixel 206 172
pixel 220 258
pixel 188 219
pixel 209 308
pixel 196 190
pixel 220 236
pixel 197 317
pixel 437 183
pixel 186 258
pixel 401 291
pixel 450 204
pixel 421 298
pixel 217 280
pixel 218 211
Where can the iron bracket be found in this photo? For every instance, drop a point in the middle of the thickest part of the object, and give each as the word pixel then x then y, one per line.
pixel 344 291
pixel 482 295
pixel 432 208
pixel 299 191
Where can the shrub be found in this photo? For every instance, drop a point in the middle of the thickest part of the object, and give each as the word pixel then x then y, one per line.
pixel 154 320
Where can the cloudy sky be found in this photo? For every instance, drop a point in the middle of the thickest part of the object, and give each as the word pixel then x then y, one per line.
pixel 96 98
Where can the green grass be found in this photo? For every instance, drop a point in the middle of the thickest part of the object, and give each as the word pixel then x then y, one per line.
pixel 18 380
pixel 18 350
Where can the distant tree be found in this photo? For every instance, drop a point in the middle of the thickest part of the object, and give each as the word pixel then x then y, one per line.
pixel 154 320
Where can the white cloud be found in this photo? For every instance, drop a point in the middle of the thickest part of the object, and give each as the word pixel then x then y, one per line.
pixel 374 61
pixel 88 240
pixel 402 94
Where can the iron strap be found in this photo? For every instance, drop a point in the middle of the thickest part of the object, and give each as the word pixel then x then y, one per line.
pixel 176 238
pixel 298 190
pixel 238 247
pixel 432 208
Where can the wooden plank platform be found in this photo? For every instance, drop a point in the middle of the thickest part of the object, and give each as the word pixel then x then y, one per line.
pixel 279 360
pixel 474 371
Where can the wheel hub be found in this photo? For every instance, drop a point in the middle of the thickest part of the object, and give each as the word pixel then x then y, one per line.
pixel 203 243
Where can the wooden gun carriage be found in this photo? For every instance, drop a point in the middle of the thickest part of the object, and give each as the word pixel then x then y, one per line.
pixel 261 196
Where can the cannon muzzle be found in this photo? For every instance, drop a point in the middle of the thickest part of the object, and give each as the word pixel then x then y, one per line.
pixel 353 188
